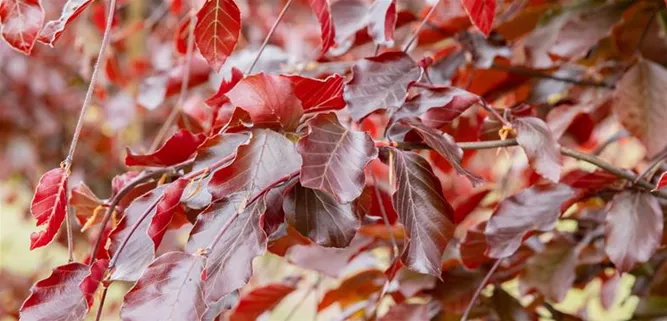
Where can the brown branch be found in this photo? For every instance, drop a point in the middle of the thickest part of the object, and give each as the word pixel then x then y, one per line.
pixel 268 36
pixel 622 173
pixel 421 26
pixel 479 289
pixel 536 74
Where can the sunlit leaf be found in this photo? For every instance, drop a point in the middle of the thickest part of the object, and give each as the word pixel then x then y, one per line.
pixel 319 95
pixel 482 13
pixel 261 299
pixel 328 32
pixel 178 148
pixel 217 31
pixel 21 21
pixel 49 206
pixel 53 29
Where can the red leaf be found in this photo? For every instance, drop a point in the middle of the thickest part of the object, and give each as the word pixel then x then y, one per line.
pixel 407 312
pixel 176 149
pixel 472 249
pixel 229 263
pixel 323 13
pixel 633 228
pixel 320 217
pixel 217 31
pixel 171 288
pixel 466 207
pixel 268 158
pixel 540 146
pixel 662 181
pixel 358 287
pixel 334 158
pixel 481 13
pixel 66 295
pixel 166 209
pixel 219 98
pixel 598 179
pixel 260 300
pixel 382 21
pixel 423 210
pixel 49 206
pixel 268 99
pixel 53 29
pixel 21 21
pixel 551 271
pixel 535 208
pixel 444 145
pixel 380 83
pixel 436 105
pixel 319 95
pixel 181 35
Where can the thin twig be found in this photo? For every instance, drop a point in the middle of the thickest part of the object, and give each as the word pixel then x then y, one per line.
pixel 494 113
pixel 421 25
pixel 162 133
pixel 479 290
pixel 385 218
pixel 536 74
pixel 268 36
pixel 101 307
pixel 652 168
pixel 70 239
pixel 303 298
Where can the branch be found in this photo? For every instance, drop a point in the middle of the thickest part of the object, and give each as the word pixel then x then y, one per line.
pixel 622 173
pixel 424 21
pixel 479 289
pixel 536 74
pixel 268 36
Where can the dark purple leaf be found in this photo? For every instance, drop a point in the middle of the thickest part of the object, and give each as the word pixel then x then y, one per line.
pixel 534 209
pixel 540 146
pixel 171 288
pixel 634 228
pixel 436 105
pixel 423 210
pixel 320 217
pixel 552 271
pixel 380 83
pixel 508 308
pixel 334 158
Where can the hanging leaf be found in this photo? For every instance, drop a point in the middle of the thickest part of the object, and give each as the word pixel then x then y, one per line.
pixel 634 227
pixel 255 166
pixel 262 299
pixel 21 21
pixel 423 210
pixel 436 105
pixel 638 104
pixel 166 209
pixel 540 146
pixel 380 83
pixel 229 263
pixel 382 21
pixel 173 280
pixel 177 149
pixel 552 271
pixel 49 206
pixel 319 95
pixel 66 295
pixel 268 99
pixel 320 217
pixel 53 29
pixel 334 158
pixel 534 209
pixel 481 13
pixel 323 13
pixel 444 145
pixel 217 31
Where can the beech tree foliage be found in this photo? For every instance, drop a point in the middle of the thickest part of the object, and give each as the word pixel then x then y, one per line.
pixel 422 157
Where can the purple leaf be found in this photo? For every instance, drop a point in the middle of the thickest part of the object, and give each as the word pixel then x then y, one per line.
pixel 436 105
pixel 382 21
pixel 334 158
pixel 551 271
pixel 540 146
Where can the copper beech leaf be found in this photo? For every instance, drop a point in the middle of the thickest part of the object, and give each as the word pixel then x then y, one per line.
pixel 436 105
pixel 220 97
pixel 334 157
pixel 551 271
pixel 178 148
pixel 423 210
pixel 261 299
pixel 49 206
pixel 633 228
pixel 534 209
pixel 444 145
pixel 318 95
pixel 139 249
pixel 53 29
pixel 407 312
pixel 327 29
pixel 639 104
pixel 267 159
pixel 380 83
pixel 540 146
pixel 65 295
pixel 481 13
pixel 382 21
pixel 85 203
pixel 229 263
pixel 269 100
pixel 171 289
pixel 21 21
pixel 320 217
pixel 355 288
pixel 217 31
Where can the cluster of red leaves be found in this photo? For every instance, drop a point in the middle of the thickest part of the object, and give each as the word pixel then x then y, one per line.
pixel 367 133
